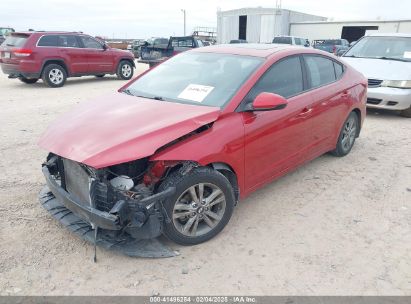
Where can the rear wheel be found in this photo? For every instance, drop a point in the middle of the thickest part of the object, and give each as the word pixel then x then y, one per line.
pixel 406 112
pixel 28 80
pixel 347 136
pixel 200 208
pixel 125 70
pixel 54 75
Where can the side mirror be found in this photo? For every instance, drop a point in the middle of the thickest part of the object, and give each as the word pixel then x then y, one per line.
pixel 105 46
pixel 268 101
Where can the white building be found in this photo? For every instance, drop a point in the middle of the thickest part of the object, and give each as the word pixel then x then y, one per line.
pixel 350 30
pixel 259 24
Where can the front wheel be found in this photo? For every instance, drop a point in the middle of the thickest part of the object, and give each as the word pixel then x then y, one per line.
pixel 28 80
pixel 406 112
pixel 200 208
pixel 125 70
pixel 347 135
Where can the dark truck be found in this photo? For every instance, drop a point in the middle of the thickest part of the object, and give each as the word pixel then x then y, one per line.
pixel 4 31
pixel 154 55
pixel 335 46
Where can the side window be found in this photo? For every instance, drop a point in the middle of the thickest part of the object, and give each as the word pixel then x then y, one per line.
pixel 339 70
pixel 67 41
pixel 320 70
pixel 90 43
pixel 49 40
pixel 284 78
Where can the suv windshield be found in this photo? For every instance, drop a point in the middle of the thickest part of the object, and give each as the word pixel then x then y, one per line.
pixel 282 40
pixel 196 78
pixel 395 48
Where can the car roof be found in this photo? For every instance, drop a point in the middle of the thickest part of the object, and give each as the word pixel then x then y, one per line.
pixel 248 49
pixel 389 35
pixel 46 33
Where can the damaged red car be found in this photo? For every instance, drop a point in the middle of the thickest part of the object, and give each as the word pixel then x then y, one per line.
pixel 175 149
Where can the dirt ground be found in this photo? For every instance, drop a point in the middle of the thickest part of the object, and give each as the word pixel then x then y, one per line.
pixel 336 226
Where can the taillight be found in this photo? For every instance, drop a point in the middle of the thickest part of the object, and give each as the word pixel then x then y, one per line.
pixel 23 52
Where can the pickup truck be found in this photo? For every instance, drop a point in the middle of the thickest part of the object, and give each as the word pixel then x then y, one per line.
pixel 154 55
pixel 335 46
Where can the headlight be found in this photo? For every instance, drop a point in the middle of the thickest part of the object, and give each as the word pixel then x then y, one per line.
pixel 402 84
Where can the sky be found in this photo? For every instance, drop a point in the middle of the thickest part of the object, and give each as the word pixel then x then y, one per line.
pixel 162 18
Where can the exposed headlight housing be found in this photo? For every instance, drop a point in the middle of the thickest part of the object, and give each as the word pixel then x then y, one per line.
pixel 402 84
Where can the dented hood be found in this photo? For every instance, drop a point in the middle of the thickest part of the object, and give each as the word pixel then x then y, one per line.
pixel 119 128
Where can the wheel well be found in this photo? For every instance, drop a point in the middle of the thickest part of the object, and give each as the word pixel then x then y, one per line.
pixel 358 112
pixel 59 62
pixel 229 173
pixel 127 59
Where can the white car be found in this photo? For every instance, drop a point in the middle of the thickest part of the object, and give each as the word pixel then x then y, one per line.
pixel 385 59
pixel 291 40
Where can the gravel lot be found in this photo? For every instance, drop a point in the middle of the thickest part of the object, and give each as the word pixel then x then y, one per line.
pixel 336 226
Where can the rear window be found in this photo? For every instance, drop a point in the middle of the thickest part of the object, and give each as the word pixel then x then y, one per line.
pixel 282 40
pixel 15 40
pixel 189 42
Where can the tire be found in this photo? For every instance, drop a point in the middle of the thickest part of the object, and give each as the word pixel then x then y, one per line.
pixel 125 70
pixel 54 75
pixel 28 80
pixel 200 220
pixel 100 75
pixel 406 112
pixel 349 132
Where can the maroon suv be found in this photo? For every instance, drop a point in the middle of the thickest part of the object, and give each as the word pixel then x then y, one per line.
pixel 54 56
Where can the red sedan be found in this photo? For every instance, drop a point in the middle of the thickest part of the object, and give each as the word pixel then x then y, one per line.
pixel 175 149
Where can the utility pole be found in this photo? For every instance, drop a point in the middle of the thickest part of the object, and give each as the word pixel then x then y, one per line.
pixel 184 12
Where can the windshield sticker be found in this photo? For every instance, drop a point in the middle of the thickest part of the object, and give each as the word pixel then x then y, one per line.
pixel 407 54
pixel 195 92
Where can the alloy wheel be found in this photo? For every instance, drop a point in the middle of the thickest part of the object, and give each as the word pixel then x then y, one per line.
pixel 126 70
pixel 56 76
pixel 349 133
pixel 199 209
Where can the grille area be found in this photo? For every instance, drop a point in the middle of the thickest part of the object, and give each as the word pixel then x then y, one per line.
pixel 374 101
pixel 374 83
pixel 77 181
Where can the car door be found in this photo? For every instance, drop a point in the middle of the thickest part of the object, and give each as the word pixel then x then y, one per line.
pixel 73 53
pixel 275 141
pixel 100 59
pixel 329 98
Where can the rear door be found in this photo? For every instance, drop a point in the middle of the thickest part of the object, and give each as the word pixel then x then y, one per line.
pixel 276 141
pixel 329 98
pixel 100 59
pixel 66 47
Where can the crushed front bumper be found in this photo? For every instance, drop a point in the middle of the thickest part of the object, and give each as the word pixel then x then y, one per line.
pixel 114 227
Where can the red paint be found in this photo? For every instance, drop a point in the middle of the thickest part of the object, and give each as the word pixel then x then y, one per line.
pixel 259 146
pixel 268 101
pixel 29 59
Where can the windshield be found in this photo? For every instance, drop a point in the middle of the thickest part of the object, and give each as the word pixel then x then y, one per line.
pixel 208 79
pixel 4 31
pixel 282 40
pixel 328 42
pixel 396 48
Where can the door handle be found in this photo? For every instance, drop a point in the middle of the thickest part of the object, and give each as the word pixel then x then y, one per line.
pixel 305 112
pixel 345 94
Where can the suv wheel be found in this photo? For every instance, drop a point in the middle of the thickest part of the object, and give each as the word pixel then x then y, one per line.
pixel 200 208
pixel 54 75
pixel 125 70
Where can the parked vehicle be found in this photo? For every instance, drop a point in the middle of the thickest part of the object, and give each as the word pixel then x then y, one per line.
pixel 206 43
pixel 175 149
pixel 238 41
pixel 385 59
pixel 136 47
pixel 4 31
pixel 335 46
pixel 153 54
pixel 291 40
pixel 54 56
